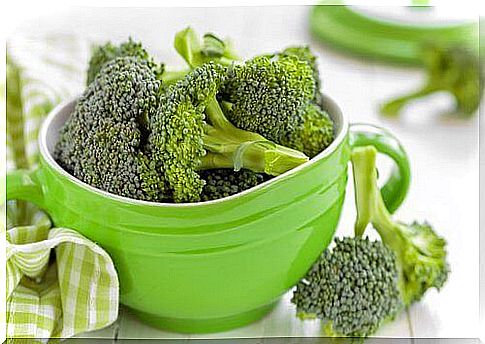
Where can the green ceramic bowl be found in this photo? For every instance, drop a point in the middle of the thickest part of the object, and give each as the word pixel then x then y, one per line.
pixel 211 266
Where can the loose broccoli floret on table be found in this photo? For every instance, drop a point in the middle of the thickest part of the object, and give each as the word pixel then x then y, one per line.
pixel 102 143
pixel 453 69
pixel 353 286
pixel 359 284
pixel 190 132
pixel 420 252
pixel 224 182
pixel 104 53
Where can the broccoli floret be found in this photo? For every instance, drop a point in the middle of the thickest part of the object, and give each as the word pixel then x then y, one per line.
pixel 360 284
pixel 420 252
pixel 313 134
pixel 190 132
pixel 107 52
pixel 224 182
pixel 353 287
pixel 453 69
pixel 268 95
pixel 304 53
pixel 254 94
pixel 102 141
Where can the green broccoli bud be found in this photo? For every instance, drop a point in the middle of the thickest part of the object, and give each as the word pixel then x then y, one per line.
pixel 268 96
pixel 107 52
pixel 190 132
pixel 353 287
pixel 224 182
pixel 420 252
pixel 313 134
pixel 453 69
pixel 296 127
pixel 303 53
pixel 359 284
pixel 102 142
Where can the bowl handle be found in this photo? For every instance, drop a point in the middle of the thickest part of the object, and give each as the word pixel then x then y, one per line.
pixel 396 187
pixel 24 185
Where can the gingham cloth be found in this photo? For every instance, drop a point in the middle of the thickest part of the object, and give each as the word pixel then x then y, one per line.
pixel 76 289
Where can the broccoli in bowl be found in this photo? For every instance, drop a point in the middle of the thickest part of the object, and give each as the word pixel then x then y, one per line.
pixel 214 129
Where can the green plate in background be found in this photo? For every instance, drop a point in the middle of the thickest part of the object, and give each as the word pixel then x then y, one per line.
pixel 377 38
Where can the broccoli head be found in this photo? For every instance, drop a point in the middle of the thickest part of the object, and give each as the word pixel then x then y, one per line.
pixel 102 141
pixel 268 95
pixel 224 182
pixel 359 284
pixel 452 69
pixel 304 53
pixel 314 131
pixel 419 251
pixel 274 95
pixel 313 134
pixel 107 52
pixel 353 287
pixel 190 132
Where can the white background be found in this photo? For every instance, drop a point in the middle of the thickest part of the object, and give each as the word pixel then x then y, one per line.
pixel 444 153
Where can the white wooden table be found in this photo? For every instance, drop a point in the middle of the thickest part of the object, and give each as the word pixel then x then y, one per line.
pixel 444 154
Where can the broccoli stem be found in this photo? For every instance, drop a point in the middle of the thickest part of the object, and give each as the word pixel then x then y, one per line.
pixel 370 205
pixel 170 77
pixel 395 106
pixel 368 198
pixel 230 147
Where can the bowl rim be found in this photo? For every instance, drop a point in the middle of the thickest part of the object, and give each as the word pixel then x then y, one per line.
pixel 46 155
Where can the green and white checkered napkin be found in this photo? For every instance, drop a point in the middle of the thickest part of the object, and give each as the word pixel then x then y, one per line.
pixel 76 289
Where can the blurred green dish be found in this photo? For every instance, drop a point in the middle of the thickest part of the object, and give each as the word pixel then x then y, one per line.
pixel 342 27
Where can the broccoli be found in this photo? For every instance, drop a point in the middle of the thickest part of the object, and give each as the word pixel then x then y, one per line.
pixel 353 286
pixel 223 182
pixel 359 284
pixel 304 53
pixel 419 251
pixel 278 97
pixel 107 52
pixel 315 131
pixel 313 134
pixel 268 96
pixel 453 69
pixel 102 143
pixel 190 132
